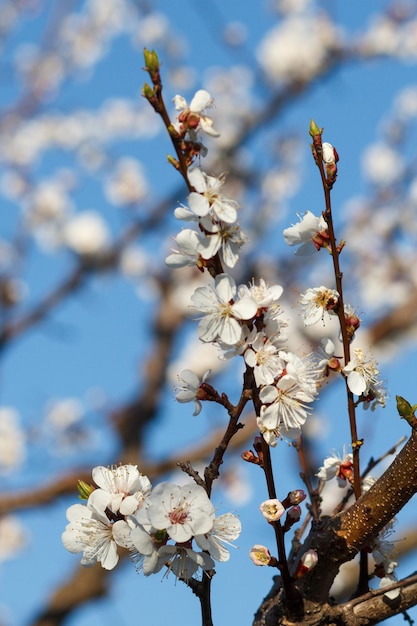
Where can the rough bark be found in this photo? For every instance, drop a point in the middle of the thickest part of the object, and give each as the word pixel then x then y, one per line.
pixel 338 539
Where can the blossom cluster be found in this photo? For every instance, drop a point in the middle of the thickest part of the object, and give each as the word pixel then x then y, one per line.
pixel 158 525
pixel 241 319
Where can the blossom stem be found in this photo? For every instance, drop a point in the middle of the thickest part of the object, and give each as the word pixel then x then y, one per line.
pixel 335 251
pixel 288 583
pixel 327 215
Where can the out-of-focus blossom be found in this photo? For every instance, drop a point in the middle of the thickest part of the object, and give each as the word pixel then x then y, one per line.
pixel 13 537
pixel 382 165
pixel 86 234
pixel 12 440
pixel 298 48
pixel 128 185
pixel 62 414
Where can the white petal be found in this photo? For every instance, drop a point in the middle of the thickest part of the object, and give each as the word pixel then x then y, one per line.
pixel 225 287
pixel 199 204
pixel 245 308
pixel 196 179
pixel 356 383
pixel 202 99
pixel 180 103
pixel 231 331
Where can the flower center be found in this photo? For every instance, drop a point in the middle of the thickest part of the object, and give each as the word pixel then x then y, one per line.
pixel 178 515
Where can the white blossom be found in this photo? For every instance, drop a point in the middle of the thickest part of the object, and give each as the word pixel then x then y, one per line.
pixel 188 242
pixel 184 562
pixel 201 101
pixel 121 489
pixel 12 440
pixel 226 528
pixel 303 233
pixel 362 373
pixel 189 388
pixel 337 466
pixel 272 510
pixel 207 197
pixel 91 533
pixel 222 313
pixel 316 302
pixel 285 404
pixel 221 237
pixel 86 234
pixel 182 511
pixel 263 356
pixel 127 184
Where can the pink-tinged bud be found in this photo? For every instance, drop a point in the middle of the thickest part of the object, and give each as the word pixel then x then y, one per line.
pixel 257 444
pixel 296 496
pixel 307 562
pixel 294 513
pixel 249 457
pixel 272 510
pixel 260 555
pixel 293 516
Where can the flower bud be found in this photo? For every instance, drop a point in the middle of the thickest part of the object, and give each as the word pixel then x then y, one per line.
pixel 314 130
pixel 147 91
pixel 294 497
pixel 307 562
pixel 260 555
pixel 84 490
pixel 249 457
pixel 293 516
pixel 272 510
pixel 330 156
pixel 151 60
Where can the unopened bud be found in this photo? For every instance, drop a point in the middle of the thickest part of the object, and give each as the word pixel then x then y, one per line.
pixel 249 457
pixel 84 490
pixel 307 562
pixel 330 156
pixel 151 60
pixel 314 130
pixel 147 91
pixel 260 555
pixel 294 497
pixel 293 516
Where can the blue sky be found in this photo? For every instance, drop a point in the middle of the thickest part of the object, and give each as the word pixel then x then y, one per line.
pixel 87 343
